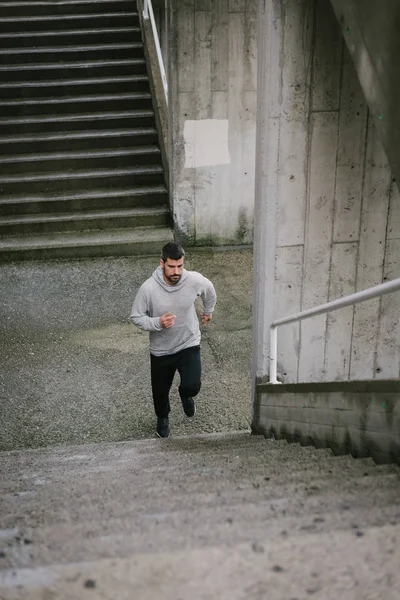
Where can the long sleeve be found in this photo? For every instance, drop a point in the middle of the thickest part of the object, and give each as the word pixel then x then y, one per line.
pixel 139 313
pixel 208 295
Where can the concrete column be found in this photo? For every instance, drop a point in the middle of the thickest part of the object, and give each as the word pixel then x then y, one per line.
pixel 284 67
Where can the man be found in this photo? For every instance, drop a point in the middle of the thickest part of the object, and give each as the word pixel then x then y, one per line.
pixel 164 305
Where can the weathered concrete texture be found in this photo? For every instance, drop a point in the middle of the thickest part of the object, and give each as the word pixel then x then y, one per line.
pixel 327 207
pixel 75 370
pixel 358 417
pixel 372 35
pixel 213 516
pixel 213 89
pixel 328 566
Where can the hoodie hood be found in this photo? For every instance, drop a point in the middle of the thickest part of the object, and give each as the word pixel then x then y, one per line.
pixel 158 276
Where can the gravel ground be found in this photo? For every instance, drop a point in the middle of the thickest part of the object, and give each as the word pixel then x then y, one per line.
pixel 74 370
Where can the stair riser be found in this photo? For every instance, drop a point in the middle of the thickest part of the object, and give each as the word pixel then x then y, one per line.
pixel 61 88
pixel 31 10
pixel 83 162
pixel 85 225
pixel 78 184
pixel 81 125
pixel 57 24
pixel 70 38
pixel 50 55
pixel 65 206
pixel 26 110
pixel 90 143
pixel 133 249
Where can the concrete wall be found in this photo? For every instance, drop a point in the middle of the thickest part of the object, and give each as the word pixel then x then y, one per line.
pixel 358 417
pixel 327 210
pixel 212 78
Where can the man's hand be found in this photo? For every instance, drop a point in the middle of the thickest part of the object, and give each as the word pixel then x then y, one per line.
pixel 167 320
pixel 205 318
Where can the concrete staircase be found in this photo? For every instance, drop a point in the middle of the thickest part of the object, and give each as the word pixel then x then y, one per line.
pixel 80 164
pixel 213 516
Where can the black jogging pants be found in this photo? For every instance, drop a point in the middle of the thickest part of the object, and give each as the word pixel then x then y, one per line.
pixel 163 368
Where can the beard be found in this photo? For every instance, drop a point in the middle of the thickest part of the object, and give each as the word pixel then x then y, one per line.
pixel 173 278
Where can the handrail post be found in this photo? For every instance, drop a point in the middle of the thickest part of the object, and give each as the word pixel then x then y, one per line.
pixel 146 9
pixel 273 353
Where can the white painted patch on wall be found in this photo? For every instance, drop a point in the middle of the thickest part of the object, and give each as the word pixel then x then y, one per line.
pixel 206 143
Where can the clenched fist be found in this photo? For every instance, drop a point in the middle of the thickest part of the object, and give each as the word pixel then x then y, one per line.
pixel 205 318
pixel 167 320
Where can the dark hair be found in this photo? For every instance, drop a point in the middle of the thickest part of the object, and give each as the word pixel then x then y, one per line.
pixel 172 251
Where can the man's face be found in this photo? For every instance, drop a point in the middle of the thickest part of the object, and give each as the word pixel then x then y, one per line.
pixel 172 270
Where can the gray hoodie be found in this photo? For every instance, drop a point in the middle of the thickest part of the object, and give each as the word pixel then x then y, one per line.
pixel 155 298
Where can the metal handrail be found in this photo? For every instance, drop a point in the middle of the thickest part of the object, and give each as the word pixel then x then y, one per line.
pixel 369 293
pixel 149 14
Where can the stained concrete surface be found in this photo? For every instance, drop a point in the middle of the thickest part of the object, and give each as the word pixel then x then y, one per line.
pixel 230 516
pixel 75 370
pixel 212 72
pixel 330 566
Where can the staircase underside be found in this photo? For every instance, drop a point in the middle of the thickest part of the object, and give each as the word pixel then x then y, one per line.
pixel 372 33
pixel 213 516
pixel 81 172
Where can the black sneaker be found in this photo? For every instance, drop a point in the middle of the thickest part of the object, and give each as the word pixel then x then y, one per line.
pixel 162 427
pixel 189 407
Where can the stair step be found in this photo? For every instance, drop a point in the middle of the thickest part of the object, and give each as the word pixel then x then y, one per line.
pixel 169 521
pixel 98 199
pixel 91 85
pixel 87 52
pixel 79 140
pixel 78 122
pixel 265 503
pixel 223 467
pixel 17 107
pixel 335 561
pixel 38 72
pixel 42 7
pixel 78 180
pixel 121 242
pixel 239 455
pixel 245 462
pixel 210 505
pixel 84 221
pixel 230 474
pixel 107 157
pixel 132 114
pixel 60 22
pixel 235 470
pixel 188 448
pixel 107 35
